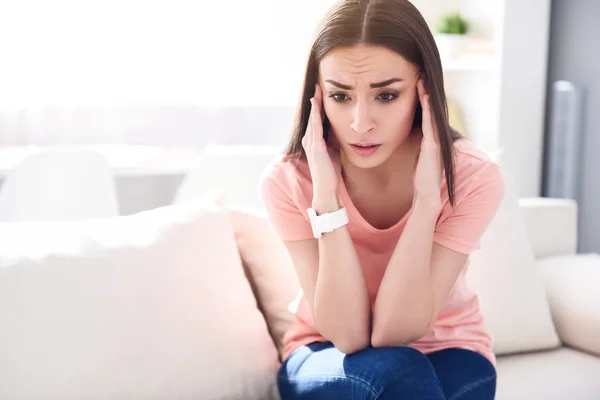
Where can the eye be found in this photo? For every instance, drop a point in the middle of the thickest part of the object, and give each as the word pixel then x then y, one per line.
pixel 339 97
pixel 388 97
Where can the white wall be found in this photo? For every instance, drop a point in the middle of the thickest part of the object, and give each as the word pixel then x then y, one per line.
pixel 473 88
pixel 504 105
pixel 523 54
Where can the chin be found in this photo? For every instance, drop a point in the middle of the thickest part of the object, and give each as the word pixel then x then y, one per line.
pixel 372 161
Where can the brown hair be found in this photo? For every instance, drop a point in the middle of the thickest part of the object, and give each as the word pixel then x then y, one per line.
pixel 396 25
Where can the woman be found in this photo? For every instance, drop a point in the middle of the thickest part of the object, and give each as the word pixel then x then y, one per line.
pixel 380 203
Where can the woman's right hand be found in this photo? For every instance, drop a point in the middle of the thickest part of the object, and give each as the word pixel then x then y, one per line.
pixel 324 177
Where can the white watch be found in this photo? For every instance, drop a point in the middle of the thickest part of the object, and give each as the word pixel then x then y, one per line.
pixel 327 222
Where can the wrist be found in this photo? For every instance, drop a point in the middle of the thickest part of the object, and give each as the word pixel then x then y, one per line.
pixel 428 204
pixel 324 204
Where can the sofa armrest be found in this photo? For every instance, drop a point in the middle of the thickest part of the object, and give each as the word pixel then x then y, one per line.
pixel 551 225
pixel 571 283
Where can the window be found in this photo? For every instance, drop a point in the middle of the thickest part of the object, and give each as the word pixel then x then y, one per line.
pixel 168 72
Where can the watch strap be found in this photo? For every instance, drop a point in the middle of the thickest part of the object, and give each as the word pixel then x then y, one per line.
pixel 327 222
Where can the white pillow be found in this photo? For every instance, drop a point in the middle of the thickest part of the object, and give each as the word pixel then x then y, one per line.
pixel 571 282
pixel 150 306
pixel 269 268
pixel 503 273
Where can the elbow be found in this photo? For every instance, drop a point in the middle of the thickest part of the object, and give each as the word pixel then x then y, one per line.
pixel 349 338
pixel 351 346
pixel 384 336
pixel 350 341
pixel 396 339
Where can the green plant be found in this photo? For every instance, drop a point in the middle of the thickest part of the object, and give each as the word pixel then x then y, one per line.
pixel 453 24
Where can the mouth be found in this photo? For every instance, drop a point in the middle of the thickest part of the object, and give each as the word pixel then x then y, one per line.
pixel 365 149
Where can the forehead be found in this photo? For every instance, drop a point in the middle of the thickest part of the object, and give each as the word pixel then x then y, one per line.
pixel 364 62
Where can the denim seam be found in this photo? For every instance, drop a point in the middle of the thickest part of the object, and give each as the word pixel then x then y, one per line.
pixel 471 386
pixel 352 378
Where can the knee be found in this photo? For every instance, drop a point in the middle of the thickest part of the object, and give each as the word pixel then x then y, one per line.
pixel 391 362
pixel 396 372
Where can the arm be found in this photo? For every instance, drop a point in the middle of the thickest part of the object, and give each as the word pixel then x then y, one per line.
pixel 427 261
pixel 328 271
pixel 418 279
pixel 334 286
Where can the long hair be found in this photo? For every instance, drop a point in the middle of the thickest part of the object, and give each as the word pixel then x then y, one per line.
pixel 398 26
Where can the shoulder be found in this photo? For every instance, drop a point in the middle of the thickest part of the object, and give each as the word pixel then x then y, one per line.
pixel 286 192
pixel 286 172
pixel 479 190
pixel 475 172
pixel 470 159
pixel 286 175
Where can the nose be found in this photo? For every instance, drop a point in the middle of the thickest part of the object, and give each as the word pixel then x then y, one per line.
pixel 361 120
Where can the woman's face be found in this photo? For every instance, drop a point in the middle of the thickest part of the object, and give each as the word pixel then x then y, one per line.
pixel 370 98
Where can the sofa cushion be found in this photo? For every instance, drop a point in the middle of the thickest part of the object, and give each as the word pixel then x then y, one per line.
pixel 550 375
pixel 512 297
pixel 149 306
pixel 571 283
pixel 269 268
pixel 551 225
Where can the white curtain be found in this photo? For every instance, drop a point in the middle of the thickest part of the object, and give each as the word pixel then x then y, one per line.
pixel 170 73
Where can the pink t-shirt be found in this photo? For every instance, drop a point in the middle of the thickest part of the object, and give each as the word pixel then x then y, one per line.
pixel 479 187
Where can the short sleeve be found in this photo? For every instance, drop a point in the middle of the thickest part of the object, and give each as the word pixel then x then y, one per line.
pixel 463 228
pixel 284 215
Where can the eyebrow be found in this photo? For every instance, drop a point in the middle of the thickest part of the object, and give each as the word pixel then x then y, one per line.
pixel 375 85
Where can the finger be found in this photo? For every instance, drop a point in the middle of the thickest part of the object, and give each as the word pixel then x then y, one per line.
pixel 309 126
pixel 317 126
pixel 425 107
pixel 319 98
pixel 433 132
pixel 318 92
pixel 427 121
pixel 421 89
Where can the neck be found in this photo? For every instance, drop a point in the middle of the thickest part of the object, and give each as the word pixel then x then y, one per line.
pixel 396 172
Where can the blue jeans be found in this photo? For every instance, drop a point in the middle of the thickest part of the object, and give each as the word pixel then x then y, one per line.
pixel 320 371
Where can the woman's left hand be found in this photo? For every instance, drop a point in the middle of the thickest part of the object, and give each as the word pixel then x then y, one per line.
pixel 427 179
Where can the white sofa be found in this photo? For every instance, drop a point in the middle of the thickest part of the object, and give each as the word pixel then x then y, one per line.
pixel 572 369
pixel 190 302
